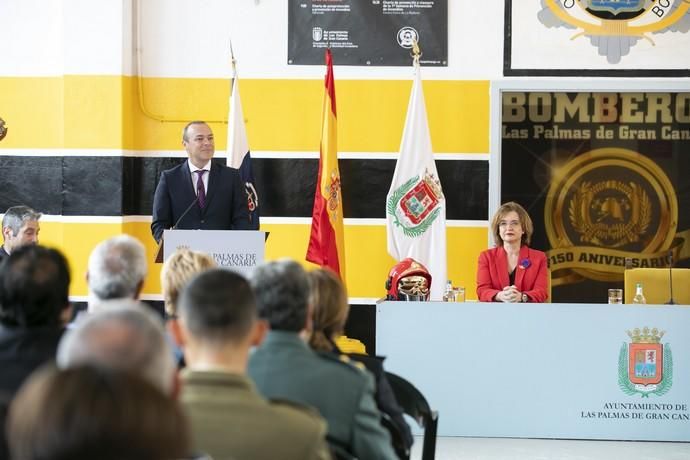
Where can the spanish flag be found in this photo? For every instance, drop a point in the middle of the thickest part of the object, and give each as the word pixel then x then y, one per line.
pixel 326 246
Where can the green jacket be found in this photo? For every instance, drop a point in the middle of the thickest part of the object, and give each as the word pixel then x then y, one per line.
pixel 230 420
pixel 285 367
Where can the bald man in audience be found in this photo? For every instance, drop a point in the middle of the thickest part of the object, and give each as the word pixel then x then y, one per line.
pixel 217 326
pixel 19 228
pixel 124 336
pixel 117 270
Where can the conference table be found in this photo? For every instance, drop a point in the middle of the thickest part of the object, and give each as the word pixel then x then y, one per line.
pixel 568 371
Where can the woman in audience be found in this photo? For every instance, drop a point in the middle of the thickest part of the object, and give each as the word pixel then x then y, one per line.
pixel 176 273
pixel 512 271
pixel 90 413
pixel 330 310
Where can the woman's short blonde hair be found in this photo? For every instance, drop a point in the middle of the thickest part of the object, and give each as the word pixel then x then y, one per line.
pixel 178 270
pixel 525 222
pixel 328 299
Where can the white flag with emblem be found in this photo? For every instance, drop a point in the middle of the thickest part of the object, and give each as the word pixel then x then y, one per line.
pixel 415 205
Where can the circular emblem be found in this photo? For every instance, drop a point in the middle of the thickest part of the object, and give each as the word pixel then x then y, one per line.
pixel 608 23
pixel 407 36
pixel 610 199
pixel 3 129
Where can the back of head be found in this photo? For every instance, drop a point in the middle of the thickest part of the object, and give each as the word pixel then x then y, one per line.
pixel 125 336
pixel 93 413
pixel 282 294
pixel 178 270
pixel 34 287
pixel 117 268
pixel 218 306
pixel 330 308
pixel 16 216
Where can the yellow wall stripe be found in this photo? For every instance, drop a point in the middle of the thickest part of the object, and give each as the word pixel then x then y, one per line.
pixel 282 115
pixel 368 263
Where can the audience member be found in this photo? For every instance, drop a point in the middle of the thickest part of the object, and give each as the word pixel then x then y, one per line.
pixel 285 367
pixel 125 336
pixel 19 228
pixel 117 270
pixel 329 301
pixel 180 267
pixel 88 413
pixel 217 327
pixel 34 304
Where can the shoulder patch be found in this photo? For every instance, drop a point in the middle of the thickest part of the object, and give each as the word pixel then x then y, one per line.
pixel 344 360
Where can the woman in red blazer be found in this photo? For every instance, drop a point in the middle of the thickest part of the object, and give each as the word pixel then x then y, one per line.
pixel 512 272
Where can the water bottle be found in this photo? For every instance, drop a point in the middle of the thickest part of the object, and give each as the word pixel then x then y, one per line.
pixel 449 294
pixel 639 295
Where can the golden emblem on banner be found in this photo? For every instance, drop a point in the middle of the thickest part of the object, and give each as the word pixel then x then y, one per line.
pixel 605 206
pixel 598 212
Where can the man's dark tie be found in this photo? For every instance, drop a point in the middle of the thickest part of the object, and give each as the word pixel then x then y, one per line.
pixel 200 191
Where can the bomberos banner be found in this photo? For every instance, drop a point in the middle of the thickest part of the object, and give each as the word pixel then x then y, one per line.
pixel 605 176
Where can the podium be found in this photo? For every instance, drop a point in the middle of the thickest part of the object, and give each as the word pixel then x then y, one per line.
pixel 238 250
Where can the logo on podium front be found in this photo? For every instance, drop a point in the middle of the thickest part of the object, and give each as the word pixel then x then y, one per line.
pixel 645 366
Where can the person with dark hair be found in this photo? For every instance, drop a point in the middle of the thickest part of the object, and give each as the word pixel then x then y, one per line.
pixel 285 367
pixel 512 271
pixel 216 328
pixel 88 412
pixel 34 306
pixel 19 227
pixel 329 300
pixel 212 195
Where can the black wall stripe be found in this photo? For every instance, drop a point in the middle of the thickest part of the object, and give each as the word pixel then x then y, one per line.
pixel 113 186
pixel 36 182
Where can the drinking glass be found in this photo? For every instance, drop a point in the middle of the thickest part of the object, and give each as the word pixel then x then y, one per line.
pixel 615 296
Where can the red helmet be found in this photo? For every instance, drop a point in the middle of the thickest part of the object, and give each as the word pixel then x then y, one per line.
pixel 408 280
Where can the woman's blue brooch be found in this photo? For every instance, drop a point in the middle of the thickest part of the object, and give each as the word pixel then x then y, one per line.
pixel 525 263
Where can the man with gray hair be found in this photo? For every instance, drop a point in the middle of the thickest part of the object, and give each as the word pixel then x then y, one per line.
pixel 284 366
pixel 117 270
pixel 19 227
pixel 124 336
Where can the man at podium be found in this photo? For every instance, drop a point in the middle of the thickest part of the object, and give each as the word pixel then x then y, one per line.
pixel 198 194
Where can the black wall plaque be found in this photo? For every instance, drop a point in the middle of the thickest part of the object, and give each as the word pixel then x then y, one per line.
pixel 367 32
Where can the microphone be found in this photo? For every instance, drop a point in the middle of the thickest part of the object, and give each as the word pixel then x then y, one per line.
pixel 186 211
pixel 670 277
pixel 159 252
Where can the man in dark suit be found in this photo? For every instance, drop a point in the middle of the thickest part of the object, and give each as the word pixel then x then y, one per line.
pixel 214 192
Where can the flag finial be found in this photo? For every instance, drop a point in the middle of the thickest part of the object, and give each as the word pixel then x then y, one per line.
pixel 233 61
pixel 416 51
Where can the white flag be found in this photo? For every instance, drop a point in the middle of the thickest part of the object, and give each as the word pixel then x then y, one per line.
pixel 415 205
pixel 238 153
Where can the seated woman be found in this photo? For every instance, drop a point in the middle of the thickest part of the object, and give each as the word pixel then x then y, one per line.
pixel 512 271
pixel 330 309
